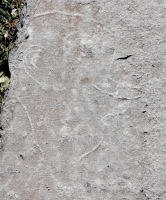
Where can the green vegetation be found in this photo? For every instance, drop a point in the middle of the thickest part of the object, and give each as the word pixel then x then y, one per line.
pixel 10 11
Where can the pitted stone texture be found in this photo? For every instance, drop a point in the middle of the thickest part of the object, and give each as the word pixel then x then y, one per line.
pixel 85 114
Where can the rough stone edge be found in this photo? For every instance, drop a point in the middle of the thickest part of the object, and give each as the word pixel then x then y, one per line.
pixel 10 97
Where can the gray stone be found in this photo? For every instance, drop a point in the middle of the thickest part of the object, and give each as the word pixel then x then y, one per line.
pixel 85 115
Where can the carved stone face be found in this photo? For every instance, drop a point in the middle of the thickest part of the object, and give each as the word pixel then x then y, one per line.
pixel 74 103
pixel 80 91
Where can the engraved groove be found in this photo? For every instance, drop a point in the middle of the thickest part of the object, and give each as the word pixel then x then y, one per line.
pixel 32 126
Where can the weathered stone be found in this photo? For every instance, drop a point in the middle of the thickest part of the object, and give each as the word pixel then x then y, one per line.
pixel 85 114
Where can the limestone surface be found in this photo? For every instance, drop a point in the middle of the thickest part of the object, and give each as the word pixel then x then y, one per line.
pixel 85 114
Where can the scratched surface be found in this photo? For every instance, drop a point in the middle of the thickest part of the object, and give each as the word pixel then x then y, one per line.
pixel 85 114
